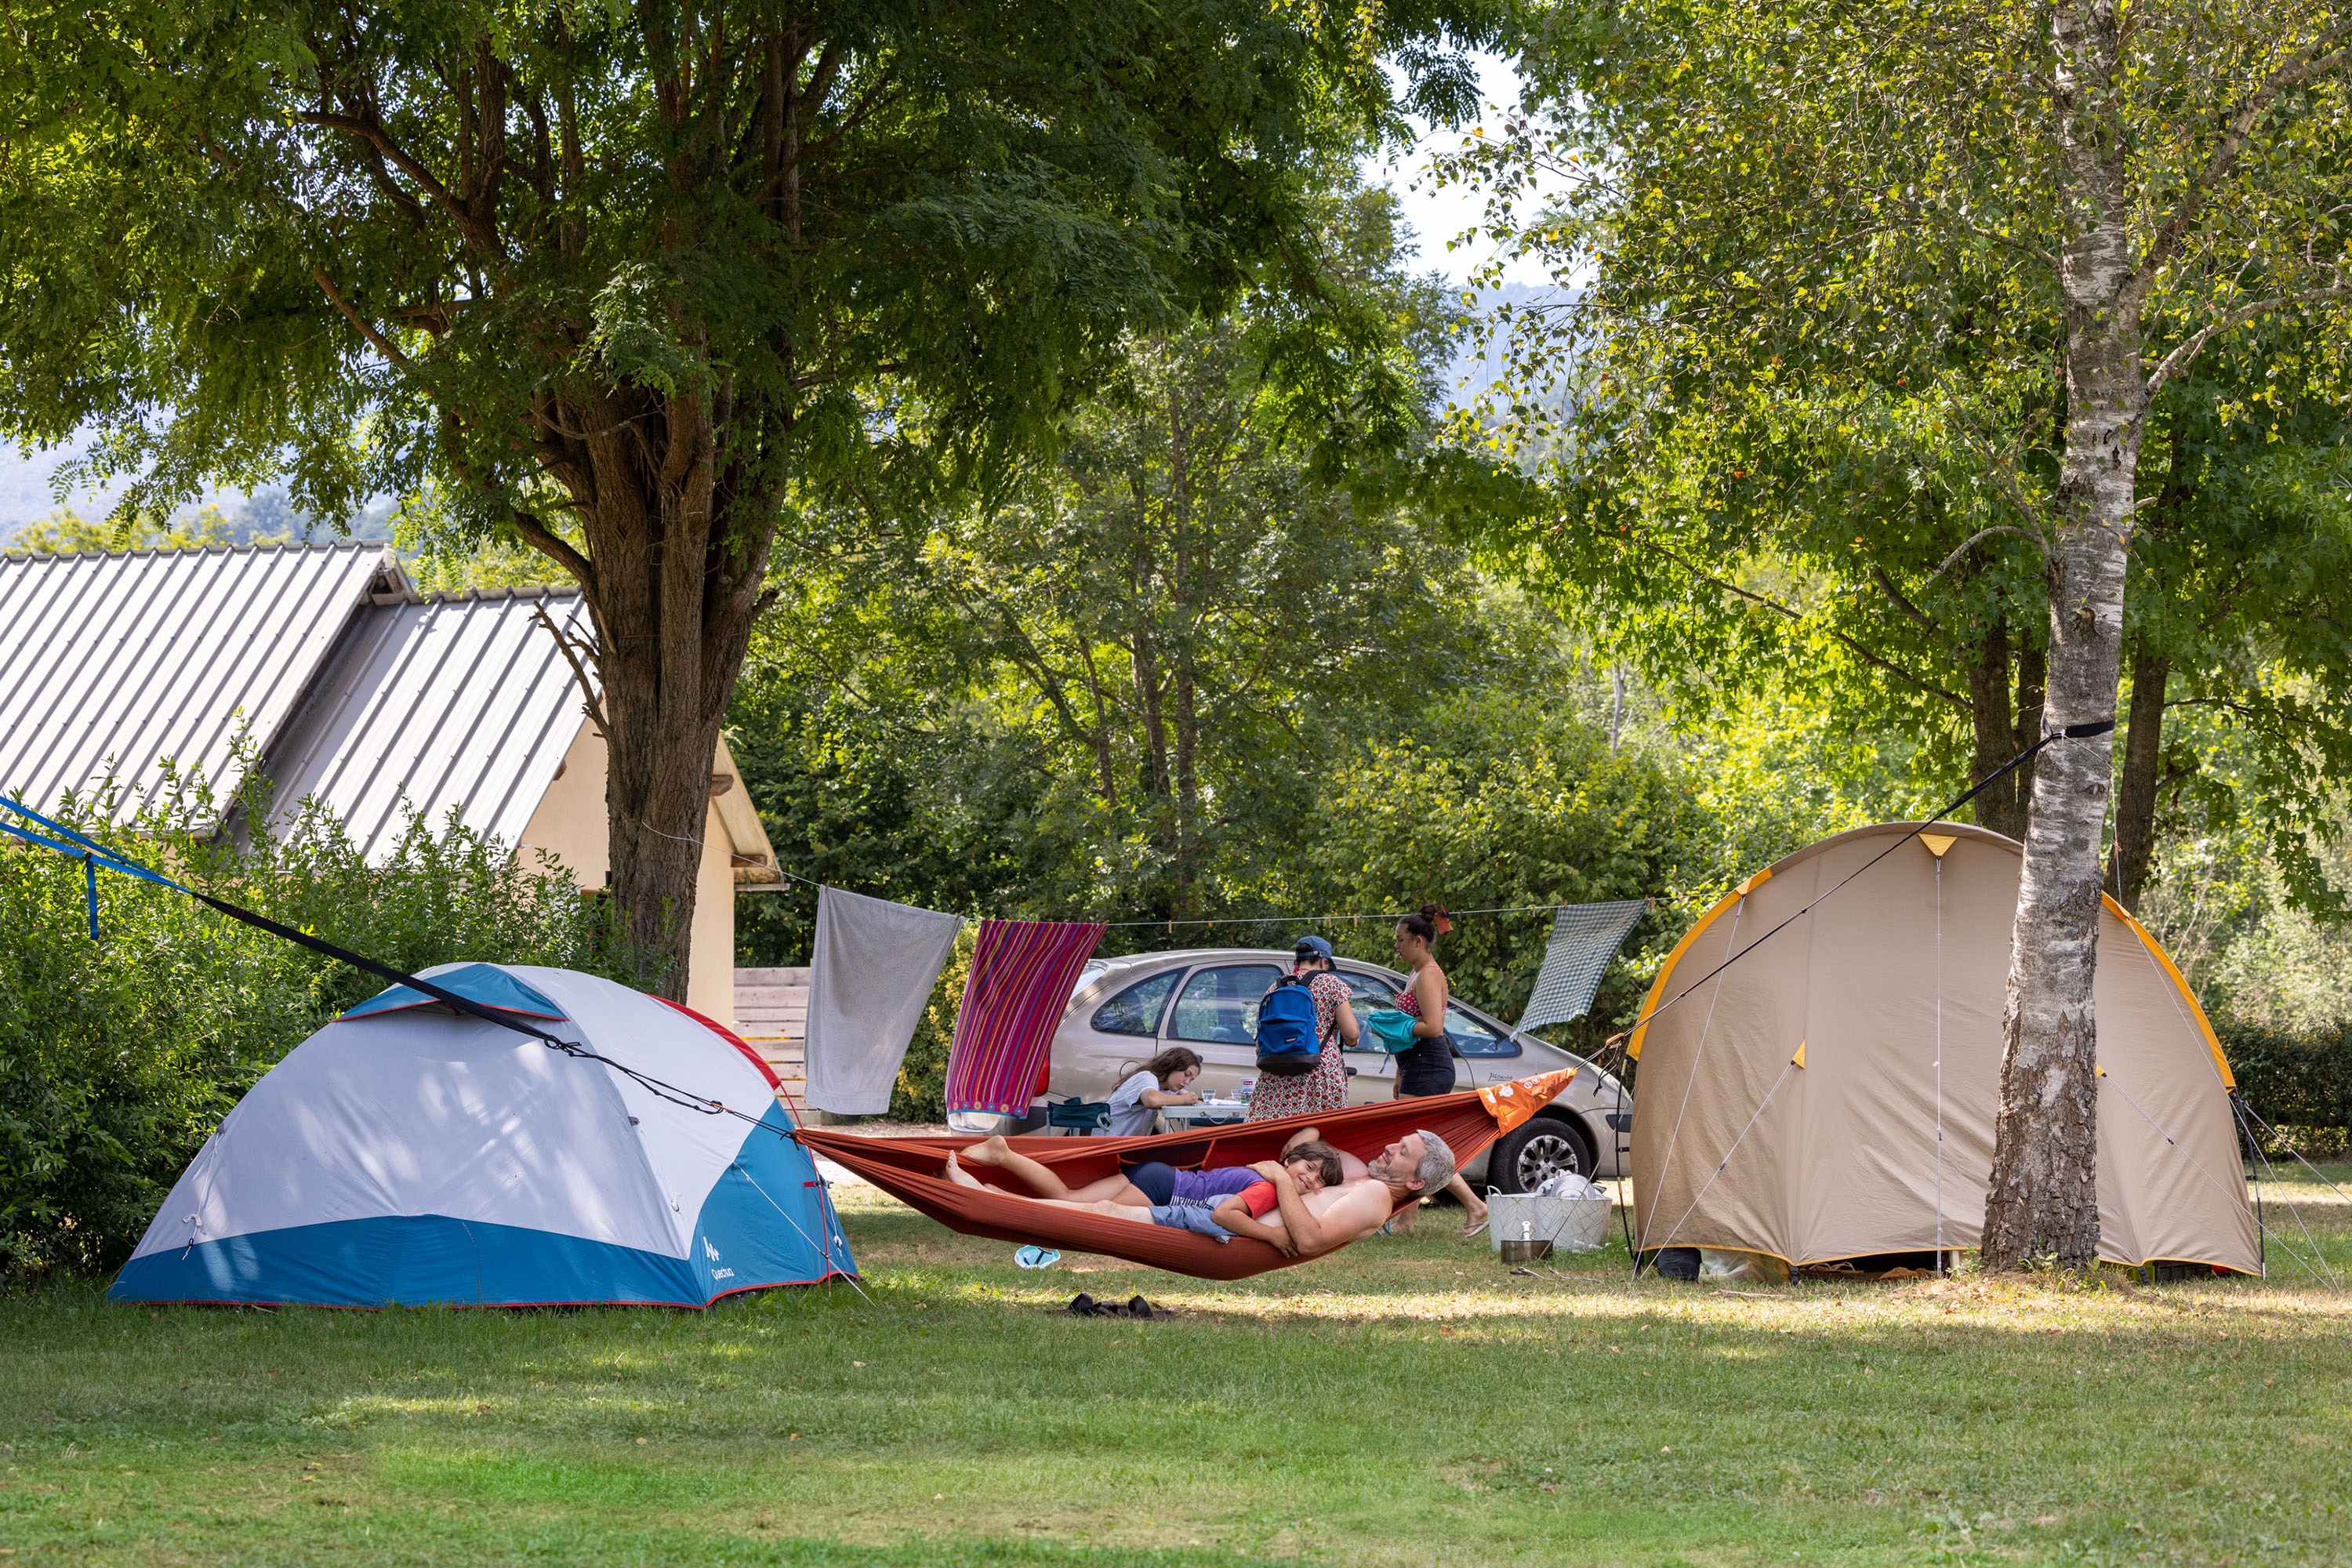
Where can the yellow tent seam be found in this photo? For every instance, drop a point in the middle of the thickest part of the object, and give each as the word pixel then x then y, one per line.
pixel 2181 983
pixel 1666 970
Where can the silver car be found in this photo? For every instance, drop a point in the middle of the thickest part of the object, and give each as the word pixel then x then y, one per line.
pixel 1125 1011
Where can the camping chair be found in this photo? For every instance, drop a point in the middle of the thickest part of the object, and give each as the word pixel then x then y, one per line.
pixel 1080 1116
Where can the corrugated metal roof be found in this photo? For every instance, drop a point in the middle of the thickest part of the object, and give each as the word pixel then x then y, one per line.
pixel 432 702
pixel 118 662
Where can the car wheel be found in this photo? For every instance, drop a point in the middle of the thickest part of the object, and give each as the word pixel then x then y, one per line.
pixel 1536 1150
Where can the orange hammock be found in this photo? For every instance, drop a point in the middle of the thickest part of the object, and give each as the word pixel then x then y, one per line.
pixel 911 1169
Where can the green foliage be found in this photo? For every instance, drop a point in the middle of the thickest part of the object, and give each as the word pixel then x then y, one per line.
pixel 1492 802
pixel 1801 392
pixel 449 235
pixel 2299 1081
pixel 65 530
pixel 118 1057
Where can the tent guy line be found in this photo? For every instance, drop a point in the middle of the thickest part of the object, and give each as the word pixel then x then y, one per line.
pixel 93 855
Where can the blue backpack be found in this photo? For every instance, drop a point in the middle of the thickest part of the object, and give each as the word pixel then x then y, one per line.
pixel 1286 1046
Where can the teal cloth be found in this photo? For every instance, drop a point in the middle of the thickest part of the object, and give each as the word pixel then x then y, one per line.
pixel 1390 1030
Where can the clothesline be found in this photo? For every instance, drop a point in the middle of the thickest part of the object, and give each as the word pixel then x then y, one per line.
pixel 1272 919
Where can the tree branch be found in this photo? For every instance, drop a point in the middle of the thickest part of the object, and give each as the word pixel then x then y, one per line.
pixel 1886 586
pixel 376 136
pixel 367 329
pixel 579 672
pixel 544 540
pixel 2301 67
pixel 1775 605
pixel 2179 358
pixel 1978 537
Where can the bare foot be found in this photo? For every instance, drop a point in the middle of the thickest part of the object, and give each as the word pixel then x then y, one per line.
pixel 987 1152
pixel 958 1175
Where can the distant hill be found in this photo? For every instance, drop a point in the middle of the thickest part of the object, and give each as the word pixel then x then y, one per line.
pixel 26 497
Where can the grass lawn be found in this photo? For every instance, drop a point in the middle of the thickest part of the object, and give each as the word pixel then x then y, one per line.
pixel 1406 1400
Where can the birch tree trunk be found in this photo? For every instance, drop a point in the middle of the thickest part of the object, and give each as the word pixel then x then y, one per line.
pixel 2044 1199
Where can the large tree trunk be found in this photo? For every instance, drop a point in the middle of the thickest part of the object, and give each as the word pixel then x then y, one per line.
pixel 2044 1200
pixel 671 580
pixel 2143 775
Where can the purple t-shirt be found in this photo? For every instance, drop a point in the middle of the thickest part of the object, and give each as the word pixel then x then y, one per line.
pixel 1221 1183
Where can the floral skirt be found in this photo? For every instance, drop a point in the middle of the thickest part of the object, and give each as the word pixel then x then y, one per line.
pixel 1308 1094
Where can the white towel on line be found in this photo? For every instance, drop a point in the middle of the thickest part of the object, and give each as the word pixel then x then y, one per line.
pixel 874 967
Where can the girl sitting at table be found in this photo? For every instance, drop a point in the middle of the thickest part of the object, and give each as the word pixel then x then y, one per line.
pixel 1165 1079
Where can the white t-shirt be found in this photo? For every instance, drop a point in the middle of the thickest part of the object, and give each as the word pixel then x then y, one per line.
pixel 1129 1117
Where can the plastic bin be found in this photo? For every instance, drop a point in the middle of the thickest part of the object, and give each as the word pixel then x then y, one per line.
pixel 1570 1224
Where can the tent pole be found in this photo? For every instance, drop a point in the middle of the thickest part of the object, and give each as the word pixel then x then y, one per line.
pixel 1940 1065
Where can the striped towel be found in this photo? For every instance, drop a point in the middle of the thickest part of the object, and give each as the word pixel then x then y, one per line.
pixel 1023 972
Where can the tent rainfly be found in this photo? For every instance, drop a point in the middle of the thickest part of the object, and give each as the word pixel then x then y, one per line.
pixel 408 1153
pixel 1833 1095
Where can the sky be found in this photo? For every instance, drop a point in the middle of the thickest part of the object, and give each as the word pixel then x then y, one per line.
pixel 1435 217
pixel 1438 217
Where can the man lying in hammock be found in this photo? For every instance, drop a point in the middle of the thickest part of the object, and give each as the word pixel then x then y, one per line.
pixel 1308 1224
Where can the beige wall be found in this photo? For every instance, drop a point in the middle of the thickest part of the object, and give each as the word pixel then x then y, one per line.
pixel 571 823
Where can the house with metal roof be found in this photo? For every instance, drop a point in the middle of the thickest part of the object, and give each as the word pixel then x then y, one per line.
pixel 347 684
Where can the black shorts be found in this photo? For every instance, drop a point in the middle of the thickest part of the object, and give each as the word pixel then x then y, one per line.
pixel 1155 1180
pixel 1424 1070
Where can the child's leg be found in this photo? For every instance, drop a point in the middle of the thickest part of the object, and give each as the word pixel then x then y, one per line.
pixel 1022 1168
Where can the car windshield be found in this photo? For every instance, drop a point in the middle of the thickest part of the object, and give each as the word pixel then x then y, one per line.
pixel 1220 1005
pixel 1475 1038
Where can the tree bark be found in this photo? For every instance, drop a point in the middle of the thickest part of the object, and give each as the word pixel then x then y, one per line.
pixel 1188 782
pixel 2143 776
pixel 671 582
pixel 2002 807
pixel 2044 1200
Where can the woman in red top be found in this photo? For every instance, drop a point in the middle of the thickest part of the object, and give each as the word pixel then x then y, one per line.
pixel 1427 1067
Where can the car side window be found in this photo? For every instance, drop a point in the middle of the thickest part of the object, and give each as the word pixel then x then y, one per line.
pixel 1364 994
pixel 1137 1009
pixel 1220 1005
pixel 1473 1038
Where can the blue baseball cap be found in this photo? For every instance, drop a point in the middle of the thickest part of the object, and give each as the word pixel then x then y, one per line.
pixel 1316 945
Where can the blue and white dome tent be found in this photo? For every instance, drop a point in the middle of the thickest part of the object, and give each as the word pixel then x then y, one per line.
pixel 409 1153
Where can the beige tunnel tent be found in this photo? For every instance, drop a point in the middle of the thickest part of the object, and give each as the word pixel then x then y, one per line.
pixel 1831 1094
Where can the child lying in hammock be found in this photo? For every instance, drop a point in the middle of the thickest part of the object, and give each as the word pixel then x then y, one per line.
pixel 1314 1218
pixel 1157 1186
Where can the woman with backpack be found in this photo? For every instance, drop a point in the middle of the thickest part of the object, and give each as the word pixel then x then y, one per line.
pixel 1426 1068
pixel 1324 1087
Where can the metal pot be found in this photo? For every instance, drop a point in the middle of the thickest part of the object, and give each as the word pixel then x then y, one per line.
pixel 1525 1251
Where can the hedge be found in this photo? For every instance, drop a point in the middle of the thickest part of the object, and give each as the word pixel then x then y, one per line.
pixel 2297 1080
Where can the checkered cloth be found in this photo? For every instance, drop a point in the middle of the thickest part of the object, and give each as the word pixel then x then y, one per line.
pixel 1584 937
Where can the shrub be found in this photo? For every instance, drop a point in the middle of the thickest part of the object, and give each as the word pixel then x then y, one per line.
pixel 2300 1083
pixel 921 1093
pixel 120 1056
